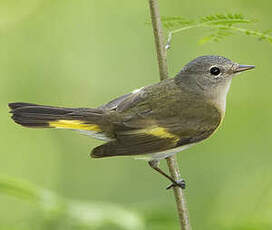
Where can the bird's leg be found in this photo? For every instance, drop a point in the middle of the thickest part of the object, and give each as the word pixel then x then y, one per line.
pixel 155 165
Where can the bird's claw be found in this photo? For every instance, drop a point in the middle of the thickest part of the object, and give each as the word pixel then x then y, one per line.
pixel 180 183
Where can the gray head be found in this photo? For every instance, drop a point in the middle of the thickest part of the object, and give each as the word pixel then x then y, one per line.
pixel 210 75
pixel 210 71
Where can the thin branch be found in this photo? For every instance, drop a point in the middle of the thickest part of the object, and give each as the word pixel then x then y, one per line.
pixel 158 36
pixel 179 194
pixel 168 43
pixel 163 67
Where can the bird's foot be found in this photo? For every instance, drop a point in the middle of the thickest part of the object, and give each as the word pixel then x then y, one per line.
pixel 180 183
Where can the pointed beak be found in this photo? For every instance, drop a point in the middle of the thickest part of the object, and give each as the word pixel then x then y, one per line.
pixel 241 68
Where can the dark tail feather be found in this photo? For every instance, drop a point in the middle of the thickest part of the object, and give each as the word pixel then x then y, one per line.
pixel 32 115
pixel 19 104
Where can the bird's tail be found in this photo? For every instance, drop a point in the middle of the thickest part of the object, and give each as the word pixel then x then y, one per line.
pixel 40 116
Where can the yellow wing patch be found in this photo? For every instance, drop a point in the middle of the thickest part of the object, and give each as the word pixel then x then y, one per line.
pixel 74 124
pixel 157 132
pixel 160 132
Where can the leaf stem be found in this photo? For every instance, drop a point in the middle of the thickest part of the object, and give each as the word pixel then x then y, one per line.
pixel 211 24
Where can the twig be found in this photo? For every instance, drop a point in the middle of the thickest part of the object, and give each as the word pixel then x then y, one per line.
pixel 163 68
pixel 168 43
pixel 158 36
pixel 179 194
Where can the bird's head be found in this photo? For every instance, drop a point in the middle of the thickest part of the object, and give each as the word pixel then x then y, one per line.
pixel 207 72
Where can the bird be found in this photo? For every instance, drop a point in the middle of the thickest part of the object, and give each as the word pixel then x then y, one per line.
pixel 153 122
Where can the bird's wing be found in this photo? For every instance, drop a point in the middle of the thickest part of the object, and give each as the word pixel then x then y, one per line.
pixel 157 119
pixel 142 136
pixel 113 104
pixel 135 130
pixel 134 145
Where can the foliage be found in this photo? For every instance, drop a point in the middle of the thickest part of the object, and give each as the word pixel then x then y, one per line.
pixel 58 213
pixel 219 26
pixel 54 212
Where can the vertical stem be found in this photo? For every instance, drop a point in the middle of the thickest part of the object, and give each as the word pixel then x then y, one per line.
pixel 179 194
pixel 158 37
pixel 163 68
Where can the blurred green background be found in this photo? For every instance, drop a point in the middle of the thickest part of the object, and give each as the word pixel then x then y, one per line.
pixel 82 53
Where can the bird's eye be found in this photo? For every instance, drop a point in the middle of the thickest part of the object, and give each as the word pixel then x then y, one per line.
pixel 215 71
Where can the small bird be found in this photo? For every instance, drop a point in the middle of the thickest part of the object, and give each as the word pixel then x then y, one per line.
pixel 153 122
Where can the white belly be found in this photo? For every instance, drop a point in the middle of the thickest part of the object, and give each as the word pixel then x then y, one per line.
pixel 164 154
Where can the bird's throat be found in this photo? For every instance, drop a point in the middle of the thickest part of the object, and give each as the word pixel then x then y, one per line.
pixel 218 95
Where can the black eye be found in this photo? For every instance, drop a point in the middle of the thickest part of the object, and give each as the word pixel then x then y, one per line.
pixel 215 71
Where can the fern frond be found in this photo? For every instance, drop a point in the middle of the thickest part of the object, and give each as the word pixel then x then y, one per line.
pixel 172 22
pixel 221 26
pixel 226 19
pixel 262 36
pixel 216 36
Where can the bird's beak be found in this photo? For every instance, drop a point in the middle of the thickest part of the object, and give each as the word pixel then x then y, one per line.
pixel 241 68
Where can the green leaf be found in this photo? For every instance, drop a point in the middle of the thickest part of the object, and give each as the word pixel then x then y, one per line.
pixel 216 36
pixel 176 21
pixel 226 19
pixel 19 189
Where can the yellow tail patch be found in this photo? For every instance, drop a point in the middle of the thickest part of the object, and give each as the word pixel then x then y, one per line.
pixel 74 124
